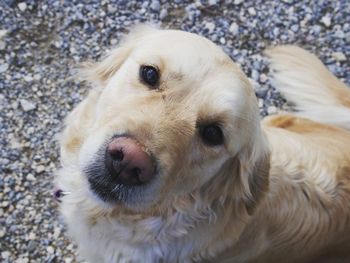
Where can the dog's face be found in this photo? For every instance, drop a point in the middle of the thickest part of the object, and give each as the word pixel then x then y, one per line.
pixel 170 114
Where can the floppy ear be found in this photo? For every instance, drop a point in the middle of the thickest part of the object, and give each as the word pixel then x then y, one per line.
pixel 100 72
pixel 253 172
pixel 245 177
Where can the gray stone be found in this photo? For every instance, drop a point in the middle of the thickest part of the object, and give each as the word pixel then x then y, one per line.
pixel 155 5
pixel 22 6
pixel 251 11
pixel 112 8
pixel 163 14
pixel 255 75
pixel 40 168
pixel 6 255
pixel 326 20
pixel 295 28
pixel 3 67
pixel 2 233
pixel 50 250
pixel 234 29
pixel 27 105
pixel 3 33
pixel 339 56
pixel 210 26
pixel 2 45
pixel 32 245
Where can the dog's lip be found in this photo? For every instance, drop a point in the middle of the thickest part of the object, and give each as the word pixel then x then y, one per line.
pixel 58 193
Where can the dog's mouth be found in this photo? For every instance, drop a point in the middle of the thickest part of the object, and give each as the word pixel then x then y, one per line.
pixel 123 171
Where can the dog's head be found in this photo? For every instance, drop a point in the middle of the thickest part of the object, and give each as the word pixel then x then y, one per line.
pixel 170 114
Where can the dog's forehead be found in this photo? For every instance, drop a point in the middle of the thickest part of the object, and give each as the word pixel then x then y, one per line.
pixel 195 71
pixel 181 50
pixel 195 58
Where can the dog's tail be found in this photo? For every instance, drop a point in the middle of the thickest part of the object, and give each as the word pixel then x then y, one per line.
pixel 306 82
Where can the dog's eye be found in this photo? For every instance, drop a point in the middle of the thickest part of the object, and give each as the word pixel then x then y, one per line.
pixel 149 75
pixel 211 134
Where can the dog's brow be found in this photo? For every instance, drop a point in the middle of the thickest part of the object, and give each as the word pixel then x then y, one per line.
pixel 177 76
pixel 217 119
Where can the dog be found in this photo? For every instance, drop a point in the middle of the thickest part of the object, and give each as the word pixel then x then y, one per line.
pixel 168 160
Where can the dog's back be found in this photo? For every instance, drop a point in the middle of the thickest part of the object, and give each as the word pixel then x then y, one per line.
pixel 310 161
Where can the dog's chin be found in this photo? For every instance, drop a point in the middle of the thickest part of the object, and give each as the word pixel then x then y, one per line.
pixel 131 197
pixel 110 193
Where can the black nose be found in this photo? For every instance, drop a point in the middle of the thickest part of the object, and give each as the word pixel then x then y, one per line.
pixel 127 162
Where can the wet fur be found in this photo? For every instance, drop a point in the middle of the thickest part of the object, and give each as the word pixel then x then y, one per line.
pixel 276 191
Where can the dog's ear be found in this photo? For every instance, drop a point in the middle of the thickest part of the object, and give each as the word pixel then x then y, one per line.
pixel 253 172
pixel 245 177
pixel 255 178
pixel 100 72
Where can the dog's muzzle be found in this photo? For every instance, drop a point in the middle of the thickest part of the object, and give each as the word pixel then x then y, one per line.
pixel 121 168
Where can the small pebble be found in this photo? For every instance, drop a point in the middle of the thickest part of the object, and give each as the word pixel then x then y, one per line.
pixel 50 250
pixel 263 78
pixel 234 29
pixel 32 245
pixel 3 33
pixel 261 103
pixel 112 8
pixel 271 110
pixel 114 41
pixel 2 45
pixel 210 26
pixel 5 255
pixel 276 31
pixel 326 20
pixel 30 177
pixel 163 14
pixel 27 105
pixel 251 11
pixel 22 259
pixel 255 75
pixel 22 6
pixel 295 28
pixel 155 5
pixel 339 56
pixel 28 78
pixel 3 67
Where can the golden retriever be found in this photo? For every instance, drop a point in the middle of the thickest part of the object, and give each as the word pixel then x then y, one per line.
pixel 167 160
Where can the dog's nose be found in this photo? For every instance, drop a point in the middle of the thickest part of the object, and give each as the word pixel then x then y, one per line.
pixel 128 162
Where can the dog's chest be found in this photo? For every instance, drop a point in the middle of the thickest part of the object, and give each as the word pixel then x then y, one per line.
pixel 119 252
pixel 118 243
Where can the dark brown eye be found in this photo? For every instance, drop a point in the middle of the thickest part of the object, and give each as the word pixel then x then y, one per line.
pixel 149 75
pixel 211 134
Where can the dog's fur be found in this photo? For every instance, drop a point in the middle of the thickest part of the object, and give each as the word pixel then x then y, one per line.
pixel 276 191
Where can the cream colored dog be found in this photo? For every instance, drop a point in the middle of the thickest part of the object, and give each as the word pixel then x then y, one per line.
pixel 166 160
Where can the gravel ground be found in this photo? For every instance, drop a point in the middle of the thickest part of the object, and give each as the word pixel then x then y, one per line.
pixel 42 41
